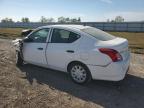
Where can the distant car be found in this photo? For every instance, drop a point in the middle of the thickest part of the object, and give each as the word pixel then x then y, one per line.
pixel 84 52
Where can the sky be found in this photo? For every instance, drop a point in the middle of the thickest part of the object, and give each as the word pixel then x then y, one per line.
pixel 88 10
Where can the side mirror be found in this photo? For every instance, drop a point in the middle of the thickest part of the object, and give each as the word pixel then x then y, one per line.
pixel 27 39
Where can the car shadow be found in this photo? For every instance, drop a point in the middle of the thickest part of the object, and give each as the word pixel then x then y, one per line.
pixel 130 94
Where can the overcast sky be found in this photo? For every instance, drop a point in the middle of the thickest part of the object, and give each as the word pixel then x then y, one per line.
pixel 88 10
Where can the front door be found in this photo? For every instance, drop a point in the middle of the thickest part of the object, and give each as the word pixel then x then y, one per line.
pixel 61 49
pixel 34 51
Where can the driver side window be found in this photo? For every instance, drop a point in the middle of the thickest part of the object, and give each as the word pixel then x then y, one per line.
pixel 39 36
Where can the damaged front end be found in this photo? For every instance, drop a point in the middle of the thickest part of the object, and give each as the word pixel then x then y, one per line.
pixel 18 43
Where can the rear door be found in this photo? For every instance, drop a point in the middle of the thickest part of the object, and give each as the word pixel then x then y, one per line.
pixel 34 51
pixel 61 49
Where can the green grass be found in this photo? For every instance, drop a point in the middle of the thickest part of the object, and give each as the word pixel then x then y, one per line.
pixel 10 33
pixel 136 40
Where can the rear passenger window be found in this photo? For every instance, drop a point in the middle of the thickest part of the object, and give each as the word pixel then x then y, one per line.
pixel 98 34
pixel 63 36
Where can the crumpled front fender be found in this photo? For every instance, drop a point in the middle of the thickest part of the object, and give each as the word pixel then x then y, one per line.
pixel 18 44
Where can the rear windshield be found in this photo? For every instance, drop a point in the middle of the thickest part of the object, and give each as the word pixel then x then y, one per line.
pixel 98 34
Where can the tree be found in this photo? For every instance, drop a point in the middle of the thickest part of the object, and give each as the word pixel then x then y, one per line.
pixel 113 21
pixel 79 19
pixel 74 20
pixel 108 20
pixel 43 19
pixel 25 20
pixel 61 20
pixel 7 20
pixel 119 19
pixel 50 20
pixel 67 20
pixel 46 20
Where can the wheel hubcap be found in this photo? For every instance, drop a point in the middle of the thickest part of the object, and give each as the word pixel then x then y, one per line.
pixel 78 73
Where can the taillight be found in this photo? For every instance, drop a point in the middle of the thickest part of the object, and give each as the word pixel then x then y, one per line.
pixel 113 54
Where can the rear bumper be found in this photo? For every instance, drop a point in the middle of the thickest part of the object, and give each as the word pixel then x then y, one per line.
pixel 115 71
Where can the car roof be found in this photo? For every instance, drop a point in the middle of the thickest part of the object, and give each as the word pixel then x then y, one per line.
pixel 72 27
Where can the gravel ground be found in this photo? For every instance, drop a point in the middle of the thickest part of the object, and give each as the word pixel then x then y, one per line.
pixel 35 87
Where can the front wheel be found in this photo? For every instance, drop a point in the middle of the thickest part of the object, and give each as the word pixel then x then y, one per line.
pixel 79 73
pixel 19 60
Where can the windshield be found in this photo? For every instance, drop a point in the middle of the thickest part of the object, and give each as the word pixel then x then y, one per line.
pixel 98 34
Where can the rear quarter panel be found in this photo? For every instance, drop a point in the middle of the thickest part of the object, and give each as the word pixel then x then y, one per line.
pixel 89 54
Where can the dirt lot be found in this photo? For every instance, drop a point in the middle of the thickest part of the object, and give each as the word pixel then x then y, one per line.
pixel 34 87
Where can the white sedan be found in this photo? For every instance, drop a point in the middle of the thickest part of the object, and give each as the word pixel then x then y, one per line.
pixel 84 52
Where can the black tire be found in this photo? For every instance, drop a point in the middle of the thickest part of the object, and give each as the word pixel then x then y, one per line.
pixel 86 74
pixel 19 60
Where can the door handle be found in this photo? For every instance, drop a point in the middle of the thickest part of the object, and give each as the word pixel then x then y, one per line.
pixel 40 48
pixel 70 51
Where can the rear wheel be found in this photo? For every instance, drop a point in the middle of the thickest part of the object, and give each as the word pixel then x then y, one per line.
pixel 19 60
pixel 79 73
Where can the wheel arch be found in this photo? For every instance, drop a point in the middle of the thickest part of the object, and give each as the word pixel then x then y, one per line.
pixel 74 62
pixel 79 62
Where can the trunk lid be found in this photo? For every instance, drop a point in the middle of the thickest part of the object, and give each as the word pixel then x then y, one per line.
pixel 118 44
